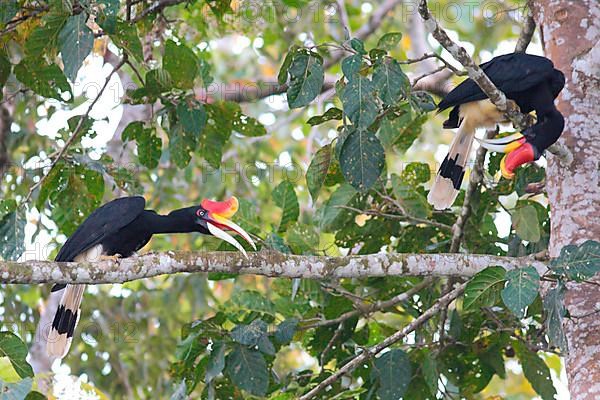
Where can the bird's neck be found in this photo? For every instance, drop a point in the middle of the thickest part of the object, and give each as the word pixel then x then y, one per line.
pixel 169 224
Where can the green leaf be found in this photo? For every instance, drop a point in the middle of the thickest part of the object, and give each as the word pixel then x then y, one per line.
pixel 16 351
pixel 247 370
pixel 554 307
pixel 351 65
pixel 217 131
pixel 248 126
pixel 389 41
pixel 303 239
pixel 431 373
pixel 181 145
pixel 333 208
pixel 75 41
pixel 415 204
pixel 12 235
pixel 306 79
pixel 331 114
pixel 252 301
pixel 521 290
pixel 181 63
pixel 126 37
pixel 415 173
pixel 5 68
pixel 393 372
pixel 536 371
pixel 286 330
pixel 285 198
pixel 107 17
pixel 8 9
pixel 192 116
pixel 33 395
pixel 249 335
pixel 7 206
pixel 483 289
pixel 526 223
pixel 422 102
pixel 358 45
pixel 216 362
pixel 15 391
pixel 317 170
pixel 362 159
pixel 578 263
pixel 45 80
pixel 149 145
pixel 359 102
pixel 285 66
pixel 44 37
pixel 392 84
pixel 402 131
pixel 276 242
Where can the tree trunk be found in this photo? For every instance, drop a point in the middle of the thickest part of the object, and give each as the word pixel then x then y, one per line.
pixel 570 33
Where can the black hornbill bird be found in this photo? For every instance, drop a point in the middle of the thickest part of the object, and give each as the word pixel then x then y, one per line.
pixel 120 228
pixel 533 83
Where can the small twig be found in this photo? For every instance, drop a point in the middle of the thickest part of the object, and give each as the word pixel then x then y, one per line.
pixel 344 20
pixel 405 218
pixel 527 30
pixel 330 344
pixel 75 133
pixel 387 342
pixel 378 306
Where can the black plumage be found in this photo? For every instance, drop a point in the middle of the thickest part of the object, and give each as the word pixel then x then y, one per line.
pixel 531 81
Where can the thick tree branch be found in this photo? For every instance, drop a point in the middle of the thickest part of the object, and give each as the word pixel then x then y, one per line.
pixel 507 106
pixel 268 263
pixel 526 31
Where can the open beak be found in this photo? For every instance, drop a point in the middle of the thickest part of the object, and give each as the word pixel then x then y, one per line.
pixel 217 222
pixel 504 144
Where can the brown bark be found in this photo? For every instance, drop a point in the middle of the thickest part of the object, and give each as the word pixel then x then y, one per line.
pixel 571 32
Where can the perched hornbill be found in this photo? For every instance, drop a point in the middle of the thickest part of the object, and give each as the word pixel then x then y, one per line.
pixel 533 83
pixel 118 229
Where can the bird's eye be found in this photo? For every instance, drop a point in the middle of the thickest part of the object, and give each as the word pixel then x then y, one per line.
pixel 200 213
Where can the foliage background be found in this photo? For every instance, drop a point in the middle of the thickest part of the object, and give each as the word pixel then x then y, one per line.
pixel 187 76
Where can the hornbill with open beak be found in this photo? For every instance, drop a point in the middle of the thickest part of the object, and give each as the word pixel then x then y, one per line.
pixel 533 83
pixel 120 228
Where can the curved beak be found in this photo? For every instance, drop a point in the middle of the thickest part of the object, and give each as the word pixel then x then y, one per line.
pixel 504 144
pixel 217 222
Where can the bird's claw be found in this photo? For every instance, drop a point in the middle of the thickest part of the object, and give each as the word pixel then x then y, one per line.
pixel 110 258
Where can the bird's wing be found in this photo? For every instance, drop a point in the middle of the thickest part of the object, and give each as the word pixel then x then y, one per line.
pixel 102 222
pixel 511 73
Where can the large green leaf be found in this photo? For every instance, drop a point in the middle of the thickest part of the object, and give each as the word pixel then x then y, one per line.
pixel 285 197
pixel 389 41
pixel 126 37
pixel 192 116
pixel 286 330
pixel 536 371
pixel 306 79
pixel 45 36
pixel 303 239
pixel 216 362
pixel 107 17
pixel 554 308
pixel 360 104
pixel 75 41
pixel 331 114
pixel 521 290
pixel 16 351
pixel 149 145
pixel 45 80
pixel 483 289
pixel 578 262
pixel 392 84
pixel 247 370
pixel 362 159
pixel 12 235
pixel 393 372
pixel 333 209
pixel 254 335
pixel 218 129
pixel 285 66
pixel 351 65
pixel 413 202
pixel 526 223
pixel 317 170
pixel 181 63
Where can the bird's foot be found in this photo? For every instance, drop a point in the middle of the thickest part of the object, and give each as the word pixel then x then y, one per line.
pixel 114 257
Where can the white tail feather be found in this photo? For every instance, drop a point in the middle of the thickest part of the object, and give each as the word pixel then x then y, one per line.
pixel 65 321
pixel 443 192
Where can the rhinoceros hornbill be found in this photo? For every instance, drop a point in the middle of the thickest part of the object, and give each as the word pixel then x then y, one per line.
pixel 533 83
pixel 120 228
